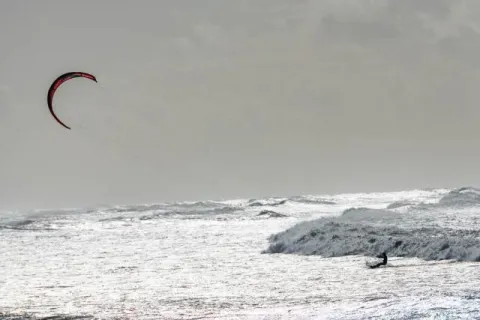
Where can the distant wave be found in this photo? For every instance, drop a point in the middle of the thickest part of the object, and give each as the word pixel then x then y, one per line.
pixel 175 206
pixel 10 316
pixel 18 225
pixel 456 198
pixel 271 214
pixel 371 231
pixel 399 204
pixel 151 212
pixel 312 200
pixel 273 202
pixel 187 210
pixel 266 202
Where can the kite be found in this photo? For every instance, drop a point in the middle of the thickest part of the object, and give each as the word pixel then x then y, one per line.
pixel 61 79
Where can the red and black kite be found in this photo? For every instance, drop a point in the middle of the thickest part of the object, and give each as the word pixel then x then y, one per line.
pixel 61 79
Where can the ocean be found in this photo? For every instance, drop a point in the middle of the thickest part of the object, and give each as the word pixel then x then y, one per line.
pixel 300 257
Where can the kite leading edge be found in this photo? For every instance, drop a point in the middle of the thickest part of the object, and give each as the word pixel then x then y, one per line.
pixel 61 79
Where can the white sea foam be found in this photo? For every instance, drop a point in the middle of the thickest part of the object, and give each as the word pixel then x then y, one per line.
pixel 203 259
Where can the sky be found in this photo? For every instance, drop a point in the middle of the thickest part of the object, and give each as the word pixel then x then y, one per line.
pixel 222 99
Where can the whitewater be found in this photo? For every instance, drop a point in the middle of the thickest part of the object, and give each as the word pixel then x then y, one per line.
pixel 301 257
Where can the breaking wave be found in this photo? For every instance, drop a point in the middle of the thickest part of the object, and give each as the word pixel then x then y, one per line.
pixel 371 231
pixel 462 197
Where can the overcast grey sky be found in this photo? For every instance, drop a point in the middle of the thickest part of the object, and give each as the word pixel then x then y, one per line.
pixel 202 99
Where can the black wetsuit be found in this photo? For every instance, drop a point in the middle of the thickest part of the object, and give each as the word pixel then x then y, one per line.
pixel 383 263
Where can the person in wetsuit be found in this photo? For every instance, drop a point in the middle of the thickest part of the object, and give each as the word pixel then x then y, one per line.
pixel 383 263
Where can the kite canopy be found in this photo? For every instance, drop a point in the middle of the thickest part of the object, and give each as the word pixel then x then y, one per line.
pixel 61 79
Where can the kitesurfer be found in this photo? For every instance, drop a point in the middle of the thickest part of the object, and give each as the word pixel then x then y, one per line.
pixel 383 263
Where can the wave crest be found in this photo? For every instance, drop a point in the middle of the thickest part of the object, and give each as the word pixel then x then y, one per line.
pixel 358 232
pixel 466 196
